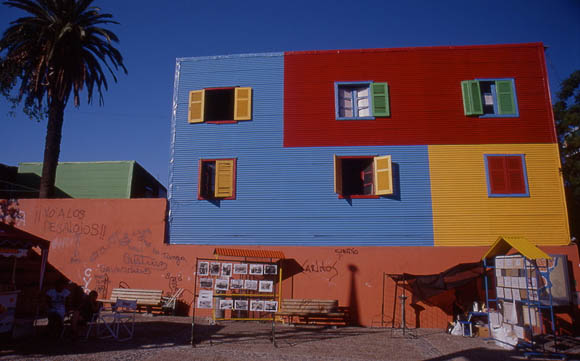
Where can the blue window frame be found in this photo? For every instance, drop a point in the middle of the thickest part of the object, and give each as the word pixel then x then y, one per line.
pixel 490 98
pixel 506 175
pixel 353 100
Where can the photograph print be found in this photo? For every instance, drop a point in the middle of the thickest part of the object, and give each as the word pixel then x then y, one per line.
pixel 257 269
pixel 205 299
pixel 241 269
pixel 270 306
pixel 266 286
pixel 203 269
pixel 226 304
pixel 214 269
pixel 221 284
pixel 206 282
pixel 226 269
pixel 256 305
pixel 241 305
pixel 236 284
pixel 270 269
pixel 251 285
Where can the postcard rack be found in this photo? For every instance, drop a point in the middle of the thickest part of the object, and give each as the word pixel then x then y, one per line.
pixel 237 288
pixel 523 295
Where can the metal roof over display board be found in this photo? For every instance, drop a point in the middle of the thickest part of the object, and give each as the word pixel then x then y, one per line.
pixel 504 244
pixel 248 253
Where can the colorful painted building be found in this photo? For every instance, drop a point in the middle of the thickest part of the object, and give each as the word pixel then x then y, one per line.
pixel 400 154
pixel 434 146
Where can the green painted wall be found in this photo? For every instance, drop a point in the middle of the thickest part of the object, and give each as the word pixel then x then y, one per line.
pixel 85 179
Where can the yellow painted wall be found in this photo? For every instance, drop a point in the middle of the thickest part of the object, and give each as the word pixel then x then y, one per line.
pixel 463 214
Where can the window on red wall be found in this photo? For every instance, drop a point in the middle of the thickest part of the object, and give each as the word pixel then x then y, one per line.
pixel 506 175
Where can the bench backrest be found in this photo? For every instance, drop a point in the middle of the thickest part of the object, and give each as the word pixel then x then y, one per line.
pixel 143 297
pixel 305 305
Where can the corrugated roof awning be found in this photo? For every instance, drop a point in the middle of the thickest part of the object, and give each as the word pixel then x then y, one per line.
pixel 504 243
pixel 13 237
pixel 249 253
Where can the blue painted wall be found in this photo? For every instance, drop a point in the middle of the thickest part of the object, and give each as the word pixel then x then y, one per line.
pixel 285 196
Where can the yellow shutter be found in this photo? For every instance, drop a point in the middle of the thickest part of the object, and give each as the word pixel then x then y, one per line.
pixel 224 178
pixel 243 104
pixel 337 175
pixel 196 101
pixel 383 177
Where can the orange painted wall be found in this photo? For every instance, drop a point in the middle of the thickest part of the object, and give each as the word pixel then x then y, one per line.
pixel 101 244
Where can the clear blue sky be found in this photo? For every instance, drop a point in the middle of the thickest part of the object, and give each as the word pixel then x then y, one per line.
pixel 134 123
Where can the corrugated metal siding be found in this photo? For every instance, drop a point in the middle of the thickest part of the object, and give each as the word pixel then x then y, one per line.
pixel 425 96
pixel 464 215
pixel 254 253
pixel 88 180
pixel 284 195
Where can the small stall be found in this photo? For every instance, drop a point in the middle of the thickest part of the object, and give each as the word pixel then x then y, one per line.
pixel 16 244
pixel 522 290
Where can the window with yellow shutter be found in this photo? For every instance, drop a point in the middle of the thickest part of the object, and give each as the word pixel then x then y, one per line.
pixel 363 176
pixel 217 179
pixel 220 105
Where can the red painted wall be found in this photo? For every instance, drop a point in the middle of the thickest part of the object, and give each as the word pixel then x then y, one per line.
pixel 101 244
pixel 425 96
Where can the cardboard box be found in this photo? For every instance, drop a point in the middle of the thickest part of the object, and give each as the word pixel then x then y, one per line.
pixel 482 331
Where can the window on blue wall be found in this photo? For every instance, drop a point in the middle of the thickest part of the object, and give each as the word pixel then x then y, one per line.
pixel 217 179
pixel 489 98
pixel 219 105
pixel 363 176
pixel 506 175
pixel 361 100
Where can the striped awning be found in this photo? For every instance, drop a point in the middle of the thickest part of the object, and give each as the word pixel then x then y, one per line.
pixel 248 253
pixel 504 244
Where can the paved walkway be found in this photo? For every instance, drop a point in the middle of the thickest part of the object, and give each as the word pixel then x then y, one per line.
pixel 168 338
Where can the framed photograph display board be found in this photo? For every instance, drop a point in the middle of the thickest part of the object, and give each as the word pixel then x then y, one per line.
pixel 237 289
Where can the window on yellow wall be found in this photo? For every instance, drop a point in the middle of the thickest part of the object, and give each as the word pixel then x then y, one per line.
pixel 217 179
pixel 363 176
pixel 220 105
pixel 506 175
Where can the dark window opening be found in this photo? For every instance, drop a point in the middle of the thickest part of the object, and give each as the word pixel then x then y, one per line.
pixel 219 104
pixel 487 96
pixel 357 176
pixel 207 186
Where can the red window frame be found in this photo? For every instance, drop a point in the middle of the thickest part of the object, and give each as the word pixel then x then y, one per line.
pixel 358 196
pixel 199 179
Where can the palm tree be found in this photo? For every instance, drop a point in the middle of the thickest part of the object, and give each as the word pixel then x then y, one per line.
pixel 57 50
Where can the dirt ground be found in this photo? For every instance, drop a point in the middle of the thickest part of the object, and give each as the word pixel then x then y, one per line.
pixel 168 338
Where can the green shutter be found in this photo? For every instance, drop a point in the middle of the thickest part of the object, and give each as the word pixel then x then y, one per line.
pixel 505 97
pixel 380 95
pixel 472 104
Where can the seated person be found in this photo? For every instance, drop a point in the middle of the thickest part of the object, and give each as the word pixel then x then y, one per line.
pixel 88 308
pixel 57 302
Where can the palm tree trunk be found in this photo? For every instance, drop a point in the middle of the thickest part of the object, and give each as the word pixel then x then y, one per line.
pixel 51 148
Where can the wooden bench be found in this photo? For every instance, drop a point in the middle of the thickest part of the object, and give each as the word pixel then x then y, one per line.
pixel 312 311
pixel 145 298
